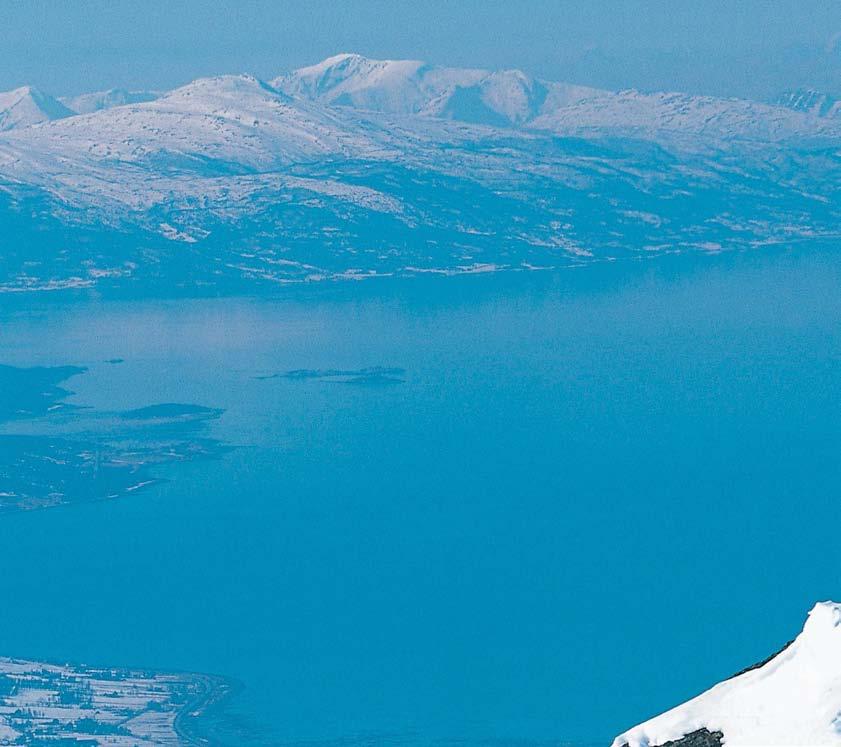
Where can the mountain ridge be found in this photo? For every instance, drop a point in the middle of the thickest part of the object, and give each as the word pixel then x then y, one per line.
pixel 87 103
pixel 794 698
pixel 27 106
pixel 501 99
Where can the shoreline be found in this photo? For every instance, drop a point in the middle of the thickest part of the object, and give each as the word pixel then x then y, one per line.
pixel 118 706
pixel 189 719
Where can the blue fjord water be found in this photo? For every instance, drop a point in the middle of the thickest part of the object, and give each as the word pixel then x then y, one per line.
pixel 585 497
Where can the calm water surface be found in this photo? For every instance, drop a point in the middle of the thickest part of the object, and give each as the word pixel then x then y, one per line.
pixel 589 496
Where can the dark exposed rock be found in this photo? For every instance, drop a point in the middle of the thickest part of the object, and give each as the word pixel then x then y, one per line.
pixel 372 376
pixel 763 662
pixel 700 738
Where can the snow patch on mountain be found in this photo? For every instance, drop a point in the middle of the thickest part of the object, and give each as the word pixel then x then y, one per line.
pixel 28 106
pixel 810 101
pixel 793 700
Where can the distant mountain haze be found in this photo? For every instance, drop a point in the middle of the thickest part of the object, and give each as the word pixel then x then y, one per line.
pixel 28 106
pixel 504 98
pixel 92 102
pixel 357 167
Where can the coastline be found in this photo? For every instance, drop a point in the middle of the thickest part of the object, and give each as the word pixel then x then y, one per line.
pixel 121 707
pixel 191 719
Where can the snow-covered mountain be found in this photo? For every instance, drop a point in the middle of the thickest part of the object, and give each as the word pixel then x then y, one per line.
pixel 93 102
pixel 793 699
pixel 502 98
pixel 810 101
pixel 397 86
pixel 356 167
pixel 649 114
pixel 510 98
pixel 230 123
pixel 27 106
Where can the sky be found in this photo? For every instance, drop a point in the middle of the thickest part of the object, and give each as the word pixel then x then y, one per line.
pixel 752 48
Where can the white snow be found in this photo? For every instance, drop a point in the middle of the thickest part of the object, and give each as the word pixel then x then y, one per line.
pixel 794 700
pixel 27 106
pixel 646 114
pixel 7 734
pixel 506 97
pixel 234 119
pixel 396 86
pixel 511 97
pixel 88 103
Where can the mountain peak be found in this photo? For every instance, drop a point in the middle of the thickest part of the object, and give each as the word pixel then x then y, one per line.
pixel 240 87
pixel 410 86
pixel 338 59
pixel 793 698
pixel 27 106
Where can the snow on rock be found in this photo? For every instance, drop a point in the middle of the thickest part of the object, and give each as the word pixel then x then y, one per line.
pixel 27 106
pixel 793 700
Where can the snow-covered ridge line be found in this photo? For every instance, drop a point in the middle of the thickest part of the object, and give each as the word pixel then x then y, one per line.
pixel 98 100
pixel 512 98
pixel 502 98
pixel 792 700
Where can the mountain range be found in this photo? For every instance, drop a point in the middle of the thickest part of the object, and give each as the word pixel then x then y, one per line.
pixel 356 167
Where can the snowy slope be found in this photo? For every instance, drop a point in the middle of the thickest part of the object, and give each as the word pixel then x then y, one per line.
pixel 230 124
pixel 503 98
pixel 651 114
pixel 27 106
pixel 792 700
pixel 511 98
pixel 395 86
pixel 93 102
